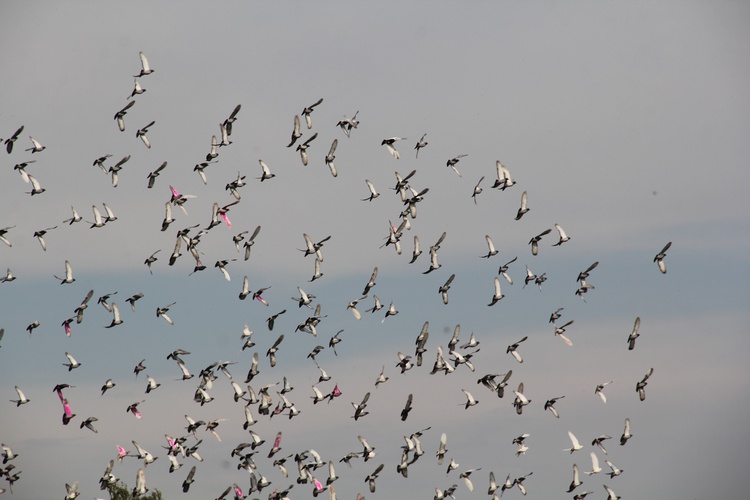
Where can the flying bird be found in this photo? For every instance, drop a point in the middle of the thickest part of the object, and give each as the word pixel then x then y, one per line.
pixel 36 147
pixel 12 139
pixel 563 237
pixel 68 275
pixel 145 68
pixel 634 334
pixel 534 242
pixel 452 164
pixel 659 258
pixel 523 209
pixel 141 132
pixel 120 118
pixel 640 387
pixel 421 143
pixel 302 148
pixel 307 112
pixel 477 189
pixel 388 143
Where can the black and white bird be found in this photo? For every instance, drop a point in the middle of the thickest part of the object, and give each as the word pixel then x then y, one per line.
pixel 68 275
pixel 388 143
pixel 421 143
pixel 524 208
pixel 452 165
pixel 563 237
pixel 141 132
pixel 634 334
pixel 145 68
pixel 659 258
pixel 640 387
pixel 307 112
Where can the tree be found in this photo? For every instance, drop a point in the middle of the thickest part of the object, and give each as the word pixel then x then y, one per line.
pixel 120 491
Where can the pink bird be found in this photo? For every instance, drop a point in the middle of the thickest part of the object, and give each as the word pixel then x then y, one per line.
pixel 133 408
pixel 68 415
pixel 223 212
pixel 237 492
pixel 66 325
pixel 121 453
pixel 257 295
pixel 276 445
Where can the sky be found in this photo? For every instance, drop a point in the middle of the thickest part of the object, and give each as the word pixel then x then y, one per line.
pixel 626 124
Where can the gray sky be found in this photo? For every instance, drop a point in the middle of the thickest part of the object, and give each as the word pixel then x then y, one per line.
pixel 627 124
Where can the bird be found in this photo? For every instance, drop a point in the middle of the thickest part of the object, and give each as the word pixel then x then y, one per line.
pixel 530 276
pixel 421 143
pixel 68 275
pixel 232 118
pixel 640 387
pixel 36 147
pixel 470 400
pixel 595 469
pixel 576 482
pixel 296 133
pixel 120 117
pixel 89 424
pixel 634 334
pixel 600 390
pixel 503 180
pixel 491 250
pixel 353 306
pixel 576 445
pixel 611 493
pixel 141 132
pixel 36 188
pixel 162 312
pixel 434 264
pixel 152 258
pixel 133 298
pixel 583 275
pixel 145 68
pixel 107 385
pixel 33 326
pixel 503 270
pixel 550 405
pixel 626 435
pixel 302 148
pixel 137 89
pixel 443 290
pixel 347 124
pixel 12 139
pixel 498 295
pixel 72 363
pixel 3 232
pixel 388 143
pixel 534 242
pixel 560 332
pixel 407 408
pixel 39 235
pixel 330 157
pixel 8 277
pixel 524 208
pixel 452 164
pixel 373 192
pixel 188 480
pixel 659 258
pixel 615 471
pixel 563 237
pixel 266 171
pixel 154 174
pixel 477 189
pixel 512 349
pixel 116 320
pixel 22 399
pixel 152 384
pixel 21 167
pixel 74 219
pixel 307 112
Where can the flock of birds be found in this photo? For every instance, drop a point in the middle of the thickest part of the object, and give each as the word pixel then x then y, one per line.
pixel 306 471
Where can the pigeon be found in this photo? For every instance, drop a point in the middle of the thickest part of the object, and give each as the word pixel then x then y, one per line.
pixel 659 258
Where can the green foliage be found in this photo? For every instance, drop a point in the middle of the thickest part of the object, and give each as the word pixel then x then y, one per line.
pixel 120 491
